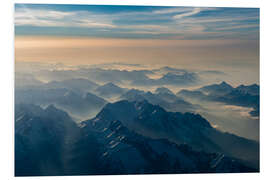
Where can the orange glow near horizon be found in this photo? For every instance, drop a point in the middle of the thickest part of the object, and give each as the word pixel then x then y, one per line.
pixel 86 50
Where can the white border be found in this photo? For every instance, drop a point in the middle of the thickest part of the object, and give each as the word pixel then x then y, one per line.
pixel 6 93
pixel 7 77
pixel 201 3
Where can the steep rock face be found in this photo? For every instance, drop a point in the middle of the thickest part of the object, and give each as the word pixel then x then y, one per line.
pixel 192 129
pixel 150 117
pixel 48 142
pixel 126 152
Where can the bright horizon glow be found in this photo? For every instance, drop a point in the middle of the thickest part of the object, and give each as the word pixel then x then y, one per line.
pixel 86 50
pixel 225 39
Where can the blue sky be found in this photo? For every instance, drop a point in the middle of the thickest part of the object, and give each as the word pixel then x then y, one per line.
pixel 137 21
pixel 209 38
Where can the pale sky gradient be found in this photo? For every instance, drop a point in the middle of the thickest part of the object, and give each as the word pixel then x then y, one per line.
pixel 204 38
pixel 76 51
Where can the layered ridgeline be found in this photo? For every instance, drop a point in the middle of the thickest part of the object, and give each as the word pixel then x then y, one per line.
pixel 181 128
pixel 109 90
pixel 243 95
pixel 125 138
pixel 77 104
pixel 162 97
pixel 83 99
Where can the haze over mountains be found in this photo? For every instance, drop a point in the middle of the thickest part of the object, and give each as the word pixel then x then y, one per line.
pixel 136 75
pixel 104 145
pixel 94 120
pixel 246 96
pixel 153 121
pixel 136 89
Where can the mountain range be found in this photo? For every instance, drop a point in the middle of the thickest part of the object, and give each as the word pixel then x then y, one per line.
pixel 163 97
pixel 79 85
pixel 112 143
pixel 245 96
pixel 95 125
pixel 109 90
pixel 80 106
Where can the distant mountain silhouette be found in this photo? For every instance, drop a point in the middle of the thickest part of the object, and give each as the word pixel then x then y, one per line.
pixel 253 89
pixel 168 69
pixel 82 106
pixel 217 89
pixel 169 101
pixel 192 94
pixel 109 90
pixel 163 90
pixel 246 96
pixel 178 79
pixel 171 78
pixel 79 85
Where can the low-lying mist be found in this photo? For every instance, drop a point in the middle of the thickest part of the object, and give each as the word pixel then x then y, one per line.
pixel 107 83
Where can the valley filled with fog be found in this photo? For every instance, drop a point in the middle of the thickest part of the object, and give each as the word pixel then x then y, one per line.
pixel 97 119
pixel 113 90
pixel 83 91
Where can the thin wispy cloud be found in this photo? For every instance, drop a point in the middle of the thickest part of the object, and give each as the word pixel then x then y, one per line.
pixel 238 27
pixel 32 17
pixel 138 22
pixel 171 10
pixel 187 14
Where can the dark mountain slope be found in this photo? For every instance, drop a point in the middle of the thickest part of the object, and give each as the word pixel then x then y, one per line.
pixel 122 146
pixel 48 142
pixel 41 140
pixel 192 129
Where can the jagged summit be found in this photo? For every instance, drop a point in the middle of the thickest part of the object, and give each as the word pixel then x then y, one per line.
pixel 225 84
pixel 253 89
pixel 217 89
pixel 144 114
pixel 188 128
pixel 109 84
pixel 163 90
pixel 109 90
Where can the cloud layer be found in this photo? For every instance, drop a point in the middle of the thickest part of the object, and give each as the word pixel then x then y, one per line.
pixel 137 22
